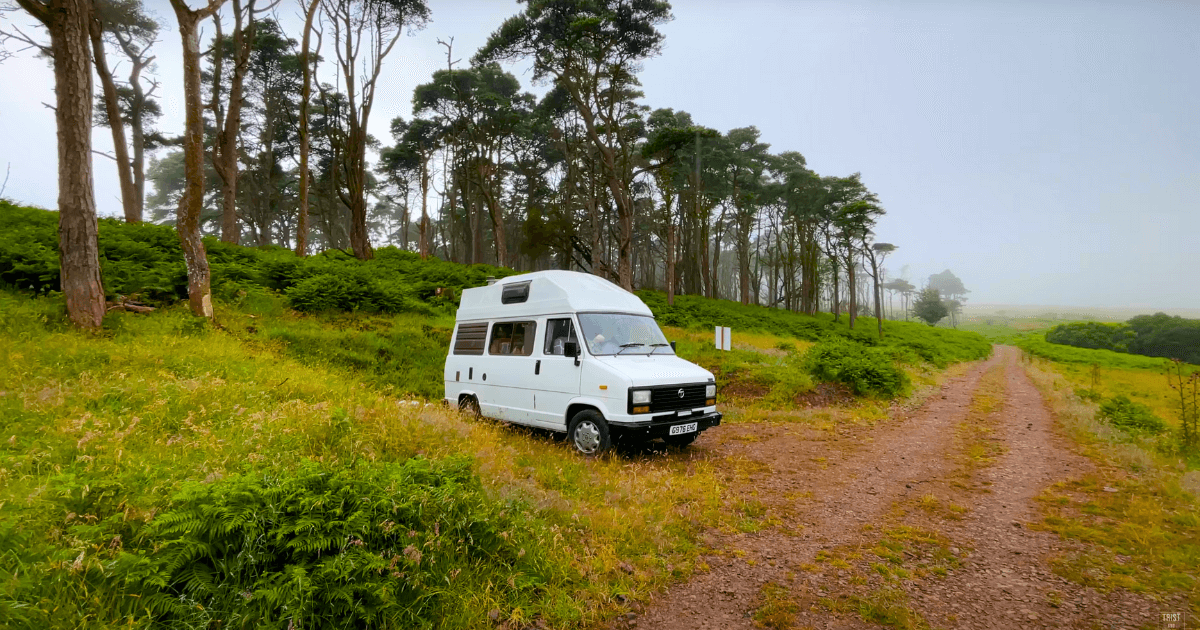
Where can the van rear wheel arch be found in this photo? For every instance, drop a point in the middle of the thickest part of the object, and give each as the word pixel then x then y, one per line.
pixel 469 404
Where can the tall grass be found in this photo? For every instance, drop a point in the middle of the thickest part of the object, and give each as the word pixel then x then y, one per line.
pixel 103 431
pixel 1138 514
pixel 1036 345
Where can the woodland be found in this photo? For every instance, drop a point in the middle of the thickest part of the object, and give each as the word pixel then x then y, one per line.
pixel 585 176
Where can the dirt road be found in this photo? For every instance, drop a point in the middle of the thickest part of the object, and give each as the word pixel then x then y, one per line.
pixel 945 493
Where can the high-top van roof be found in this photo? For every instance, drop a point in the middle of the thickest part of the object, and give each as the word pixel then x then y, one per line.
pixel 547 292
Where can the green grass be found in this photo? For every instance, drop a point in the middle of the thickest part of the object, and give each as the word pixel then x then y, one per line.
pixel 1137 515
pixel 1007 329
pixel 909 341
pixel 102 431
pixel 1037 345
pixel 163 432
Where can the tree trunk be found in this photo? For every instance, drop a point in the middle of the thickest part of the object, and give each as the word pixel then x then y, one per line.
pixel 305 96
pixel 116 125
pixel 225 148
pixel 424 227
pixel 851 289
pixel 356 187
pixel 495 212
pixel 69 24
pixel 671 264
pixel 191 202
pixel 878 303
pixel 137 130
pixel 835 298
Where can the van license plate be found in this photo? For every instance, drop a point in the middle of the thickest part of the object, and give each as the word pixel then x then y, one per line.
pixel 680 429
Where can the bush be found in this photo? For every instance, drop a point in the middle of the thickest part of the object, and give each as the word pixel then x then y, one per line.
pixel 1094 335
pixel 1157 335
pixel 938 346
pixel 364 547
pixel 1122 412
pixel 146 259
pixel 868 371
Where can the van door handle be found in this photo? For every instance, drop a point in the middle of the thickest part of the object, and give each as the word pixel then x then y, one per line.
pixel 537 367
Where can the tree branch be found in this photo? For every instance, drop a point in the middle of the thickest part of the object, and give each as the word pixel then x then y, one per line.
pixel 39 11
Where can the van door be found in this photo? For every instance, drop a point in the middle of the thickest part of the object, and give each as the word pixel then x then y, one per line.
pixel 510 361
pixel 557 378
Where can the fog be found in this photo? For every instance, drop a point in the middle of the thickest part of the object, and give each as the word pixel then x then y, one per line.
pixel 1046 152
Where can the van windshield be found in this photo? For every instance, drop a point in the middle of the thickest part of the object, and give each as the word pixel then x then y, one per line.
pixel 611 333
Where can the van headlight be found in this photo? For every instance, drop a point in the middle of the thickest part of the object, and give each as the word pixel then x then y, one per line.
pixel 710 391
pixel 641 396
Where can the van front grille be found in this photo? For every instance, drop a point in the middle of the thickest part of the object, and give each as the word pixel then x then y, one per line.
pixel 669 398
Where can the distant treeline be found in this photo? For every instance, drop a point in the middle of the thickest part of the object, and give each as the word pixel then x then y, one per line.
pixel 1158 335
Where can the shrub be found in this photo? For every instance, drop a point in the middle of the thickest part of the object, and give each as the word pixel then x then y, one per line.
pixel 938 346
pixel 868 371
pixel 1094 335
pixel 1122 412
pixel 328 292
pixel 145 259
pixel 379 545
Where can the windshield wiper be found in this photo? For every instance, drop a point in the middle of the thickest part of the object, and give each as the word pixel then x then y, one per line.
pixel 658 345
pixel 629 345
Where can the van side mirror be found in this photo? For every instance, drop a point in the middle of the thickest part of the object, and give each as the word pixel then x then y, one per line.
pixel 571 349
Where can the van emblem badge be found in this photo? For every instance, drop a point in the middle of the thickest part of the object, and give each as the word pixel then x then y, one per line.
pixel 681 392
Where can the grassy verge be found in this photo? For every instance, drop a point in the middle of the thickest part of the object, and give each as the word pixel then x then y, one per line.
pixel 1036 345
pixel 102 432
pixel 1137 516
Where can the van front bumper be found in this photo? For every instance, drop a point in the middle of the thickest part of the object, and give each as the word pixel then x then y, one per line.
pixel 661 426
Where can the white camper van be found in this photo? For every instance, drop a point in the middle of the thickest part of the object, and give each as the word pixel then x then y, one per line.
pixel 572 352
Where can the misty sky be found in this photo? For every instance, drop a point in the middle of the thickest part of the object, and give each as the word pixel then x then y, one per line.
pixel 1046 152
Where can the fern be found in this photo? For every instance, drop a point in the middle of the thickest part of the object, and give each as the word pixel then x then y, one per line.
pixel 365 547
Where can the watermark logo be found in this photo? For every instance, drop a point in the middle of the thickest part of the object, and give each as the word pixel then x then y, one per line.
pixel 1173 621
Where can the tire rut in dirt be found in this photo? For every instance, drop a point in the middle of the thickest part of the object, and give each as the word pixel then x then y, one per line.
pixel 862 475
pixel 1007 580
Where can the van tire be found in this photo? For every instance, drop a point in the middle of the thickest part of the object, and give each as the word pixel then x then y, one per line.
pixel 470 406
pixel 681 440
pixel 589 433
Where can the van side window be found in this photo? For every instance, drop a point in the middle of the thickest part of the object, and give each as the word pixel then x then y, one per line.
pixel 512 338
pixel 558 333
pixel 470 338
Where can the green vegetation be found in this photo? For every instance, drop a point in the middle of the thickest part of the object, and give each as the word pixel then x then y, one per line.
pixel 1096 335
pixel 402 306
pixel 164 433
pixel 145 260
pixel 1039 347
pixel 930 307
pixel 326 546
pixel 777 610
pixel 165 471
pixel 1158 335
pixel 908 341
pixel 1121 412
pixel 1137 512
pixel 868 371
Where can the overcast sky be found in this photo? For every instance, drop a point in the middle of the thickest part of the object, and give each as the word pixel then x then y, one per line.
pixel 1046 152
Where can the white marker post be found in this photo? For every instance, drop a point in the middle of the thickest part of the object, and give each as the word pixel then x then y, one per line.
pixel 724 338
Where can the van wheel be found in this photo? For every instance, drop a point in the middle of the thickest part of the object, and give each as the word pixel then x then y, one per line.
pixel 589 433
pixel 469 406
pixel 681 440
